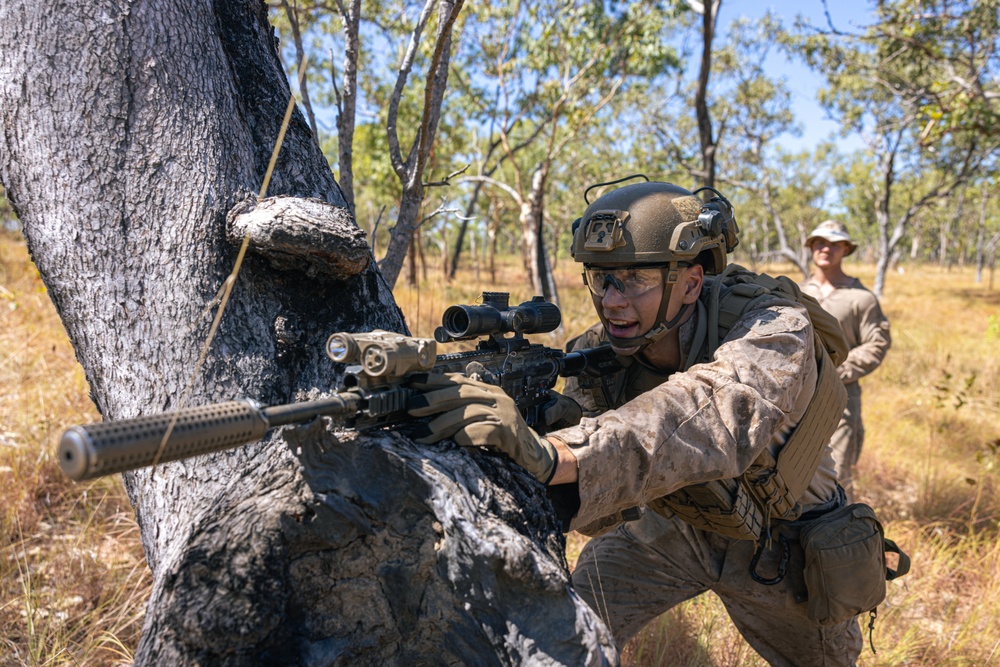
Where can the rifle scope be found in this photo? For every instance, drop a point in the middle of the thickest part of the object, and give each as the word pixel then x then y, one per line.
pixel 495 317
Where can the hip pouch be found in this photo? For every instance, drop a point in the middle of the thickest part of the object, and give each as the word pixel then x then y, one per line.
pixel 845 569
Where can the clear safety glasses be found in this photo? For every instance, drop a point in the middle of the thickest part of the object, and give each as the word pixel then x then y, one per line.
pixel 630 281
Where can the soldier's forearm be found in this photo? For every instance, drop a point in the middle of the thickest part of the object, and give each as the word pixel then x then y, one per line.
pixel 567 470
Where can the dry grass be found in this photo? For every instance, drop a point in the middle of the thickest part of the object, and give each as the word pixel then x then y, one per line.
pixel 73 583
pixel 73 579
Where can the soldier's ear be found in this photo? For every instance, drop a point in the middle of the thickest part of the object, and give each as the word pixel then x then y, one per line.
pixel 692 280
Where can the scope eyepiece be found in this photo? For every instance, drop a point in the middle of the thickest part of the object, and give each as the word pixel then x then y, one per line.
pixel 496 317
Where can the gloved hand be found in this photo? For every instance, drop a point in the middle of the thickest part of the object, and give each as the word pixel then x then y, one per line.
pixel 473 414
pixel 561 412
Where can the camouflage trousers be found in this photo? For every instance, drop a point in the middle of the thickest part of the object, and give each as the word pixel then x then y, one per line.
pixel 847 440
pixel 643 568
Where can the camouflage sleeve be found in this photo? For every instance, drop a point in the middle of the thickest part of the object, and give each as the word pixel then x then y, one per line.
pixel 709 422
pixel 872 330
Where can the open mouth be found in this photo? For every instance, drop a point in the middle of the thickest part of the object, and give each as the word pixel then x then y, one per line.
pixel 623 328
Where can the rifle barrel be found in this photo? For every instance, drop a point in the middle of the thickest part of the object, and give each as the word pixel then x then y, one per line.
pixel 95 450
pixel 591 361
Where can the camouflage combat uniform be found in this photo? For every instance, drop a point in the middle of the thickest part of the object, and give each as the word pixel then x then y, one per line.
pixel 708 422
pixel 867 332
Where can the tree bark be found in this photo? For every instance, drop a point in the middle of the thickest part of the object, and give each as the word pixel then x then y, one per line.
pixel 130 131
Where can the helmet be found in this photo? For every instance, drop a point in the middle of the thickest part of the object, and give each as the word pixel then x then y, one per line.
pixel 655 223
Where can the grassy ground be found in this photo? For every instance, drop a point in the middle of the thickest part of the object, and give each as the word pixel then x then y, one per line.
pixel 73 582
pixel 73 579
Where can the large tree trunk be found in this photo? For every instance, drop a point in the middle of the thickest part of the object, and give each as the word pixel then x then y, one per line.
pixel 129 132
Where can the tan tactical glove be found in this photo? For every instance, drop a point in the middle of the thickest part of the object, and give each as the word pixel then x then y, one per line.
pixel 473 414
pixel 561 412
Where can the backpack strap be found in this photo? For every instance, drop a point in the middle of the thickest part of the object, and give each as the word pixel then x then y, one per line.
pixel 734 291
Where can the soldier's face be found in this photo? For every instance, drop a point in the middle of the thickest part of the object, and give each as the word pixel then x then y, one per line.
pixel 631 317
pixel 828 254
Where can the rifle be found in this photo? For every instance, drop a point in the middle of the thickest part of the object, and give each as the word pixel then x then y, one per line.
pixel 373 393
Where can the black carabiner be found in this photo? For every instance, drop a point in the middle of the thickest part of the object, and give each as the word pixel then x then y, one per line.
pixel 782 563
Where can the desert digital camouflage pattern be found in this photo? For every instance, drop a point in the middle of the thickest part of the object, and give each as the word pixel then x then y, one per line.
pixel 707 423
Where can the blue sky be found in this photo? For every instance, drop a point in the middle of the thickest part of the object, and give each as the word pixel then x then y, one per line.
pixel 845 15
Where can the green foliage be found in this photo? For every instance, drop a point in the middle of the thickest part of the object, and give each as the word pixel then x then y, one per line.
pixel 993 328
pixel 952 64
pixel 596 91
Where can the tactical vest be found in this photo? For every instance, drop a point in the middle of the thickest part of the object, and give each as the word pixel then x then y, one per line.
pixel 744 507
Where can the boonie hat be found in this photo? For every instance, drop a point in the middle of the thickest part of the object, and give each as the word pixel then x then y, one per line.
pixel 833 231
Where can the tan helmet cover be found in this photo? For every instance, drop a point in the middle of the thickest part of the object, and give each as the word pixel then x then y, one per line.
pixel 833 231
pixel 648 223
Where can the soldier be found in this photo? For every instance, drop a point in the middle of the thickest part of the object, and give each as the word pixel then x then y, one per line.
pixel 697 466
pixel 865 328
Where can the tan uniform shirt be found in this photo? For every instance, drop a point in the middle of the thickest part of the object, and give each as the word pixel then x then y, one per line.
pixel 865 327
pixel 709 422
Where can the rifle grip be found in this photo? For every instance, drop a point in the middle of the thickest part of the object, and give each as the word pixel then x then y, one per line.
pixel 94 450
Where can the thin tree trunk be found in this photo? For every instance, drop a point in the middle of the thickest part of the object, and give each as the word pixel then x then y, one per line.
pixel 705 134
pixel 474 253
pixel 293 23
pixel 410 171
pixel 541 272
pixel 347 100
pixel 492 233
pixel 411 264
pixel 944 258
pixel 419 235
pixel 981 235
pixel 470 208
pixel 915 241
pixel 399 244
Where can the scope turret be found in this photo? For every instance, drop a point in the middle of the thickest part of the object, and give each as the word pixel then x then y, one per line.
pixel 496 317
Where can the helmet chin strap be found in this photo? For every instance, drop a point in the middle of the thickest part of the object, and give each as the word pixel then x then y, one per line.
pixel 659 330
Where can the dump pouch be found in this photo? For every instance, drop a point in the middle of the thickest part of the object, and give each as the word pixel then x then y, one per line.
pixel 845 570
